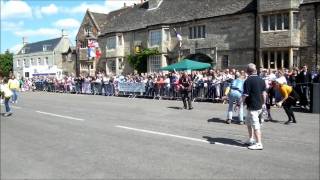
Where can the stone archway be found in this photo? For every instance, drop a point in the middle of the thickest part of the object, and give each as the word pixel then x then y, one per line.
pixel 200 57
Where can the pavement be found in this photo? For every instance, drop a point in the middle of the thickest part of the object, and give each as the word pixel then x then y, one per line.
pixel 66 136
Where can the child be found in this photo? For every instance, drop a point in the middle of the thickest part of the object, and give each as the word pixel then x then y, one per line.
pixel 6 93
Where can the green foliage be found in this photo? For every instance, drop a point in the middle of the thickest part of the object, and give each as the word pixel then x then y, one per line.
pixel 139 61
pixel 6 63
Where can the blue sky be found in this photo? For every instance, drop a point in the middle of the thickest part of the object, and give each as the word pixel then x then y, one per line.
pixel 43 19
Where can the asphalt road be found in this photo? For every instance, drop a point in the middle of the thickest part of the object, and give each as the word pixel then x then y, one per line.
pixel 64 136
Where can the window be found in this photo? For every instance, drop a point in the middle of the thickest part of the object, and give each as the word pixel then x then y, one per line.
pixel 275 59
pixel 18 63
pixel 39 62
pixel 155 38
pixel 225 61
pixel 113 65
pixel 275 22
pixel 295 20
pixel 23 51
pixel 111 42
pixel 190 32
pixel 27 63
pixel 279 22
pixel 285 21
pixel 279 60
pixel 265 59
pixel 24 63
pixel 120 40
pixel 33 62
pixel 271 58
pixel 265 22
pixel 44 48
pixel 272 22
pixel 46 61
pixel 155 63
pixel 197 32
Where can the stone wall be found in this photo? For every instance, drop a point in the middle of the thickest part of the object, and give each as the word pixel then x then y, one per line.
pixel 274 5
pixel 308 35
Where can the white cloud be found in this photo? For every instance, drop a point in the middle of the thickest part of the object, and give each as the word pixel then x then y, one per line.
pixel 109 5
pixel 67 23
pixel 15 9
pixel 15 48
pixel 46 32
pixel 11 26
pixel 51 9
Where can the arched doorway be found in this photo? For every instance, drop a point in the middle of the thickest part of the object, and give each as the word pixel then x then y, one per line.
pixel 200 57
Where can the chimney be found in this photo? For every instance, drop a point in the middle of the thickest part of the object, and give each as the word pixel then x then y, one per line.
pixel 24 41
pixel 124 5
pixel 63 33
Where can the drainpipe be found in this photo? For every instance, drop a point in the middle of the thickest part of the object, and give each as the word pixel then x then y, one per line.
pixel 255 37
pixel 316 16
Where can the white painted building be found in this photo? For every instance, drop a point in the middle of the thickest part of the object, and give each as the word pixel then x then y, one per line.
pixel 52 57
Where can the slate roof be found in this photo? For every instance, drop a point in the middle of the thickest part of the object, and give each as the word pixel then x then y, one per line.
pixel 173 11
pixel 99 18
pixel 38 46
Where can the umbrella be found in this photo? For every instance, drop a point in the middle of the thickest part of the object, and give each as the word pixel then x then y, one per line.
pixel 187 64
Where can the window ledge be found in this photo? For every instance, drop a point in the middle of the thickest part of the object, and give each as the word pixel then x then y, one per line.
pixel 274 31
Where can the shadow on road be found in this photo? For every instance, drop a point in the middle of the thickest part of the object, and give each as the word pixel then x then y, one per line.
pixel 175 107
pixel 224 141
pixel 235 120
pixel 217 120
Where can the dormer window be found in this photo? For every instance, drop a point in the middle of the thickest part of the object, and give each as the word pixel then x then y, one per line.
pixel 23 51
pixel 44 48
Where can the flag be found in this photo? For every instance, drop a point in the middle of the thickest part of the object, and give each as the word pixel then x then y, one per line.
pixel 91 49
pixel 179 37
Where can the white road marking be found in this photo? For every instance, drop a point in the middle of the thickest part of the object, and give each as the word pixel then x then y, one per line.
pixel 57 115
pixel 176 136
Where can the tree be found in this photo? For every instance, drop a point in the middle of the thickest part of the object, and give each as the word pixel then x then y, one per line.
pixel 6 63
pixel 139 61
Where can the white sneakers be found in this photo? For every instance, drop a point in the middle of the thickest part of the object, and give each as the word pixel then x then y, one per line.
pixel 250 142
pixel 253 145
pixel 257 146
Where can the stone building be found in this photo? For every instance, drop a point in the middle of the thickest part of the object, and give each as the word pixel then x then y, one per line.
pixel 90 28
pixel 53 57
pixel 229 33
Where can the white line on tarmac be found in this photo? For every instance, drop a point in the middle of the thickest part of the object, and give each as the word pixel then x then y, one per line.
pixel 57 115
pixel 176 136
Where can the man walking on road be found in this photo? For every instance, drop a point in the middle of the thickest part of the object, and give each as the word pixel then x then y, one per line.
pixel 186 87
pixel 254 95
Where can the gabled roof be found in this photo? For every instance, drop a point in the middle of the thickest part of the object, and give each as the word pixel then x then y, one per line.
pixel 98 18
pixel 38 46
pixel 173 11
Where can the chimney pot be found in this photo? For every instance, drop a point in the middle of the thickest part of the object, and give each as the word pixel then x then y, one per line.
pixel 24 41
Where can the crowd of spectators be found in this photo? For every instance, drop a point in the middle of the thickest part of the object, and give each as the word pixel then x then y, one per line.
pixel 207 84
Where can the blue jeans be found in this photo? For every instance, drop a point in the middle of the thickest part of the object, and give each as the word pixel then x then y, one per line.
pixel 15 94
pixel 6 104
pixel 234 96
